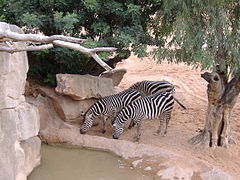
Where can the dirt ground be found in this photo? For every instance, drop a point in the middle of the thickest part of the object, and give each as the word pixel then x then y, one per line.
pixel 184 124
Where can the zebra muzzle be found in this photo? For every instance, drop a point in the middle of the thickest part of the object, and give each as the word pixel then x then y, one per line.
pixel 114 137
pixel 82 131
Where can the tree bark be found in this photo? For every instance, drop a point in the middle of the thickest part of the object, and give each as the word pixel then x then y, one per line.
pixel 222 97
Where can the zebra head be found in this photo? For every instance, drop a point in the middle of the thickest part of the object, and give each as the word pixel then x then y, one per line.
pixel 88 121
pixel 119 121
pixel 117 130
pixel 117 126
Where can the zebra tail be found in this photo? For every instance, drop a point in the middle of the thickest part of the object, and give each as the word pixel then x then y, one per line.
pixel 180 103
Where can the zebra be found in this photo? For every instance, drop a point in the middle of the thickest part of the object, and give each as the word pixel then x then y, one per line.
pixel 152 87
pixel 149 107
pixel 108 106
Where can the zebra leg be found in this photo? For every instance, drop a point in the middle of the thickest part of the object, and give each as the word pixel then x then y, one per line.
pixel 162 120
pixel 104 124
pixel 167 117
pixel 113 117
pixel 132 124
pixel 139 125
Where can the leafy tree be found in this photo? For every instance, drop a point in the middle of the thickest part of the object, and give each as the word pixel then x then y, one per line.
pixel 120 24
pixel 205 34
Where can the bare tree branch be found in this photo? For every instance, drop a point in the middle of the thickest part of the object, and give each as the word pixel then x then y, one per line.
pixel 99 61
pixel 103 49
pixel 27 48
pixel 58 40
pixel 37 37
pixel 90 52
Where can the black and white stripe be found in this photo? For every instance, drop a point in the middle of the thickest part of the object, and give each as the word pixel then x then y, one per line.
pixel 151 87
pixel 149 107
pixel 108 106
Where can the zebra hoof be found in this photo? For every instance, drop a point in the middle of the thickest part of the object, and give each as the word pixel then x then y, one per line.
pixel 136 139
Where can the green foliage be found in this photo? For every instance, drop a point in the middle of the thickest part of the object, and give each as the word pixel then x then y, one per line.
pixel 114 23
pixel 31 20
pixel 50 79
pixel 65 23
pixel 200 33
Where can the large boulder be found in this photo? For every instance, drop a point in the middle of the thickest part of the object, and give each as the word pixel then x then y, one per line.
pixel 67 108
pixel 80 87
pixel 116 75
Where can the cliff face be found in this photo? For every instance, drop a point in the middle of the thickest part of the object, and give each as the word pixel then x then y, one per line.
pixel 19 121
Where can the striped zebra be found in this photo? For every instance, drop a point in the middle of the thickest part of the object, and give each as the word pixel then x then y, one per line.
pixel 149 107
pixel 108 106
pixel 152 87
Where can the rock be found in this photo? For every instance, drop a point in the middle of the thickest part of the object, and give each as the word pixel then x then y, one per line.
pixel 80 87
pixel 135 163
pixel 13 73
pixel 67 108
pixel 49 120
pixel 9 158
pixel 28 121
pixel 31 148
pixel 20 159
pixel 116 75
pixel 16 124
pixel 147 168
pixel 173 173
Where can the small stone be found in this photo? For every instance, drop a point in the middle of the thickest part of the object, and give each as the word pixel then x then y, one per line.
pixel 147 168
pixel 135 163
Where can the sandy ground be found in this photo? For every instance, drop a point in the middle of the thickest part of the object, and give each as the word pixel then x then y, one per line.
pixel 191 91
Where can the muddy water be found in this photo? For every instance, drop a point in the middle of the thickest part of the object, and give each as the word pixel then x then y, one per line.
pixel 59 163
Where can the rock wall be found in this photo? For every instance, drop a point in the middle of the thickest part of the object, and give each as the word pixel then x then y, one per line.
pixel 19 121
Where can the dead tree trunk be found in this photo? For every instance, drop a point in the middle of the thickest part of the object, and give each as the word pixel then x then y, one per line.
pixel 222 97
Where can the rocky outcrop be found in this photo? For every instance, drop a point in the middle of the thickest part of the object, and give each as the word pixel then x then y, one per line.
pixel 80 87
pixel 67 109
pixel 19 121
pixel 116 75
